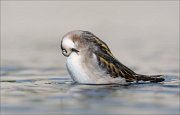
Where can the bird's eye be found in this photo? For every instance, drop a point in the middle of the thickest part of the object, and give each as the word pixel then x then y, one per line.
pixel 64 51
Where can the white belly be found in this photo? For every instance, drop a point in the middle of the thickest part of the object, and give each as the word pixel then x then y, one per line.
pixel 93 75
pixel 76 69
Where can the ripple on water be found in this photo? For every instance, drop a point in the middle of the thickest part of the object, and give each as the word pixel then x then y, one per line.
pixel 51 93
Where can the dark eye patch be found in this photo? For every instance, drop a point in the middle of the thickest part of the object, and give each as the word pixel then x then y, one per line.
pixel 74 50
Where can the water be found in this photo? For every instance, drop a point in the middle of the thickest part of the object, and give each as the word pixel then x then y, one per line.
pixel 142 35
pixel 56 94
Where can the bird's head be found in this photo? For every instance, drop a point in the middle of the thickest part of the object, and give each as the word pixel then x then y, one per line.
pixel 70 43
pixel 79 41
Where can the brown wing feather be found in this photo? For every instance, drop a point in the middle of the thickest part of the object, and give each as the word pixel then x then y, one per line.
pixel 117 69
pixel 113 67
pixel 107 61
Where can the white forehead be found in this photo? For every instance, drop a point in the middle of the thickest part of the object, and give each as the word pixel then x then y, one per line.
pixel 68 43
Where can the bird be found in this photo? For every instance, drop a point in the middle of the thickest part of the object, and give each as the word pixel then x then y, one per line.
pixel 90 61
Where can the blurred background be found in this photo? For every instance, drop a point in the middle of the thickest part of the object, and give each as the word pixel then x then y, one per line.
pixel 31 31
pixel 144 35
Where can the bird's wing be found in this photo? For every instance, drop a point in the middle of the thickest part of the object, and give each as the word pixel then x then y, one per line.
pixel 108 62
pixel 114 68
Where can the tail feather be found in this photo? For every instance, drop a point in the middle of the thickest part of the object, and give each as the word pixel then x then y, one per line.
pixel 151 78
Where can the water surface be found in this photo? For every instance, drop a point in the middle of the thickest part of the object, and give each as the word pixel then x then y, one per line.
pixel 56 94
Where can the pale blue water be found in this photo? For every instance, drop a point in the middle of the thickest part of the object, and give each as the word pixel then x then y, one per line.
pixel 27 92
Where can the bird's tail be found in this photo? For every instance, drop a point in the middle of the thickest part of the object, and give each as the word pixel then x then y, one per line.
pixel 151 78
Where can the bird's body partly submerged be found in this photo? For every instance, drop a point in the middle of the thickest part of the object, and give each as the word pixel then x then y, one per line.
pixel 90 61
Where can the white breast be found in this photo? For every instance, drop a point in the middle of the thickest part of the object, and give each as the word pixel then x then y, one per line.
pixel 92 75
pixel 76 69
